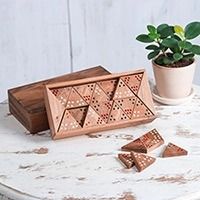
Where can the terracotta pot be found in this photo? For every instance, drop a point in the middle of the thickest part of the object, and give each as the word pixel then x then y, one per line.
pixel 174 83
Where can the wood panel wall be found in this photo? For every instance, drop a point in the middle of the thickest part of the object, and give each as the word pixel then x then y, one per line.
pixel 45 38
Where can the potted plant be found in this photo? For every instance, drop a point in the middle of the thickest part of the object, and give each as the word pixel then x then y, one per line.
pixel 172 55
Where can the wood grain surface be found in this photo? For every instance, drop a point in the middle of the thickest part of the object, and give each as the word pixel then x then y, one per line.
pixel 26 103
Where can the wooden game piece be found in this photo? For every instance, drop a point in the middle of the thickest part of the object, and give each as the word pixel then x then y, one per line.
pixel 142 161
pixel 117 114
pixel 58 109
pixel 174 150
pixel 98 95
pixel 103 113
pixel 92 118
pixel 141 110
pixel 122 90
pixel 152 140
pixel 127 105
pixel 126 159
pixel 136 146
pixel 62 94
pixel 103 109
pixel 68 122
pixel 27 103
pixel 79 114
pixel 75 100
pixel 133 81
pixel 146 143
pixel 109 87
pixel 85 91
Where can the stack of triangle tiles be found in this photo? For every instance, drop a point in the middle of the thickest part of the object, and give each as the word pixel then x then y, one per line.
pixel 99 103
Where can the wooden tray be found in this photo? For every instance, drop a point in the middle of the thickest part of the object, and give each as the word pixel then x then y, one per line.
pixel 98 103
pixel 26 103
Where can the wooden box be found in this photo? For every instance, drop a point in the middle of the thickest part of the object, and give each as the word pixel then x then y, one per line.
pixel 26 103
pixel 98 103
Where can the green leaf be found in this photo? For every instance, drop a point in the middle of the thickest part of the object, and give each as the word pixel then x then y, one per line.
pixel 169 42
pixel 177 56
pixel 176 37
pixel 167 61
pixel 192 30
pixel 144 38
pixel 165 30
pixel 184 45
pixel 153 36
pixel 151 29
pixel 152 47
pixel 188 56
pixel 195 49
pixel 159 60
pixel 153 54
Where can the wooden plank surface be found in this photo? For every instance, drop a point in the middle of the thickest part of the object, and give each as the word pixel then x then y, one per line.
pixel 27 103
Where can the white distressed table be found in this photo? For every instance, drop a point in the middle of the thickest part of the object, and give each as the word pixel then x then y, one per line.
pixel 86 167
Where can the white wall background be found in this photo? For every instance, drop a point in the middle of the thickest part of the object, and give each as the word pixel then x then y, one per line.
pixel 45 38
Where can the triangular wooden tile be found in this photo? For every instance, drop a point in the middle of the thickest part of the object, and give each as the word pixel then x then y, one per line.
pixel 62 94
pixel 103 109
pixel 136 146
pixel 142 161
pixel 133 81
pixel 122 91
pixel 152 140
pixel 57 109
pixel 92 118
pixel 117 114
pixel 98 95
pixel 146 143
pixel 144 95
pixel 141 110
pixel 79 114
pixel 75 100
pixel 86 91
pixel 126 159
pixel 127 105
pixel 174 150
pixel 68 122
pixel 109 87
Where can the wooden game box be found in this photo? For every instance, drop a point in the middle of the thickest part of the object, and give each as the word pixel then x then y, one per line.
pixel 99 103
pixel 26 103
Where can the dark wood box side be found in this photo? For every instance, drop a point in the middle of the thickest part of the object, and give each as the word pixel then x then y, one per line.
pixel 26 102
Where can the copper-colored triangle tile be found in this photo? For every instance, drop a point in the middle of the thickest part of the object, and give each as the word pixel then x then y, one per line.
pixel 103 109
pixel 86 91
pixel 126 159
pixel 152 140
pixel 117 114
pixel 146 143
pixel 141 110
pixel 79 114
pixel 75 100
pixel 122 91
pixel 133 81
pixel 57 109
pixel 144 95
pixel 136 146
pixel 99 95
pixel 92 118
pixel 174 150
pixel 127 105
pixel 108 87
pixel 62 94
pixel 68 122
pixel 142 161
